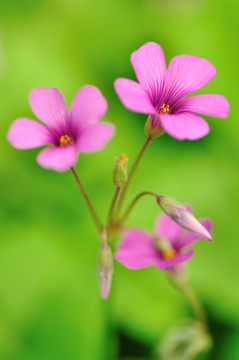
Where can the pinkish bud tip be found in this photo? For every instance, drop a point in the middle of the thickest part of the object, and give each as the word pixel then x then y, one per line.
pixel 105 270
pixel 178 213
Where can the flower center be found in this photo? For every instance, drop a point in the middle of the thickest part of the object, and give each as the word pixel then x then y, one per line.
pixel 167 254
pixel 164 109
pixel 165 249
pixel 65 140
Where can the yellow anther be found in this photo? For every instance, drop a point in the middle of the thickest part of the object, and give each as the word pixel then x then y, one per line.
pixel 168 254
pixel 65 140
pixel 120 163
pixel 164 109
pixel 123 156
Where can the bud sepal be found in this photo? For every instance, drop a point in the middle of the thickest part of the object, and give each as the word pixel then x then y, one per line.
pixel 120 171
pixel 153 127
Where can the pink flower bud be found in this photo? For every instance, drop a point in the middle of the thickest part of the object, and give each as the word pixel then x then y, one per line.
pixel 179 213
pixel 105 270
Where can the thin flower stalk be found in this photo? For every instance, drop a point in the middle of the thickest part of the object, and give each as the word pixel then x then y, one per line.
pixel 87 200
pixel 134 202
pixel 112 206
pixel 192 299
pixel 131 173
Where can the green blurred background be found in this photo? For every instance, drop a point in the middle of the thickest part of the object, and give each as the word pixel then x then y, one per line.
pixel 50 306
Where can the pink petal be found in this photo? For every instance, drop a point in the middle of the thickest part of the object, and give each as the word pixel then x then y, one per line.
pixel 49 106
pixel 190 237
pixel 95 137
pixel 168 229
pixel 150 68
pixel 186 73
pixel 208 104
pixel 26 133
pixel 179 258
pixel 58 158
pixel 133 96
pixel 88 107
pixel 185 125
pixel 136 249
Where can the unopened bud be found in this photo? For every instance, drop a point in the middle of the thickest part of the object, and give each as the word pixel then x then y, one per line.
pixel 153 126
pixel 120 171
pixel 178 213
pixel 105 270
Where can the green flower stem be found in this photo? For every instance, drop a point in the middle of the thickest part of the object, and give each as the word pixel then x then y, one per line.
pixel 88 202
pixel 133 203
pixel 193 300
pixel 112 206
pixel 132 171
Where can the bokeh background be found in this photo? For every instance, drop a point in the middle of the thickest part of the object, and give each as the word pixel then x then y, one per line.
pixel 50 306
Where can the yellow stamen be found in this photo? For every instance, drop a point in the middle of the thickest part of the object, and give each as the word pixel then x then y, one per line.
pixel 164 109
pixel 65 140
pixel 123 157
pixel 168 254
pixel 120 163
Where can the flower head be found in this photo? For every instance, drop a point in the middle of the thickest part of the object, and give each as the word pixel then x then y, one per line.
pixel 161 92
pixel 67 134
pixel 165 248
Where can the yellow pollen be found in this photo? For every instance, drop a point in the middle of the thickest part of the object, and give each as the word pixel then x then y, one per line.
pixel 120 163
pixel 123 157
pixel 65 140
pixel 165 109
pixel 168 254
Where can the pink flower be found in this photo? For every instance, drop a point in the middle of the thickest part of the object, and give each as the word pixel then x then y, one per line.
pixel 67 134
pixel 139 248
pixel 161 92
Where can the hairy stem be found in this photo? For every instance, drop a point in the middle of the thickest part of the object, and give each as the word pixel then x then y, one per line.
pixel 113 204
pixel 133 203
pixel 131 173
pixel 87 200
pixel 195 304
pixel 193 300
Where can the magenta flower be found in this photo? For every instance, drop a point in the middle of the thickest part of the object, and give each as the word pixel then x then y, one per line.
pixel 139 248
pixel 67 134
pixel 161 92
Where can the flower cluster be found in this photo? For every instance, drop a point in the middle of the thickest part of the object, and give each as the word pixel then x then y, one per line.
pixel 161 93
